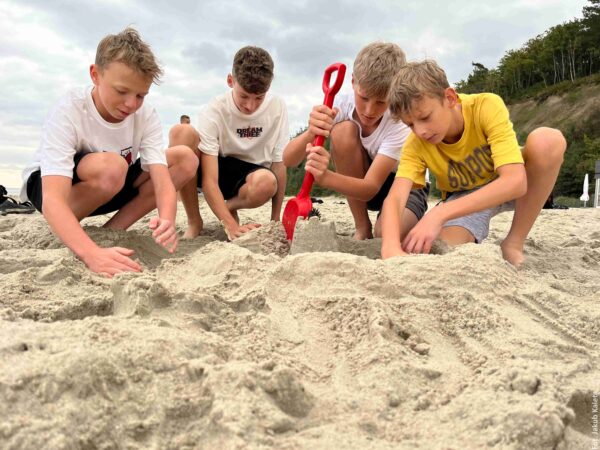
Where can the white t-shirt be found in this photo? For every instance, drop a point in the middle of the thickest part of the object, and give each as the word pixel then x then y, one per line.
pixel 74 126
pixel 257 138
pixel 387 139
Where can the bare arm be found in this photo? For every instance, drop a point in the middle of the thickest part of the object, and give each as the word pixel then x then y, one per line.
pixel 320 123
pixel 360 188
pixel 166 203
pixel 279 170
pixel 65 225
pixel 391 217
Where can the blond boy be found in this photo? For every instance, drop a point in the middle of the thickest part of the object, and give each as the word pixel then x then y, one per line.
pixel 365 142
pixel 87 162
pixel 240 139
pixel 468 143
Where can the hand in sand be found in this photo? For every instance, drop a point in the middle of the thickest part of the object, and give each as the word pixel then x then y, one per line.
pixel 164 233
pixel 317 161
pixel 110 261
pixel 235 230
pixel 420 238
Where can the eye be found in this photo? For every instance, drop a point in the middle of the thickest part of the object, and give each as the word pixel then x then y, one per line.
pixel 120 91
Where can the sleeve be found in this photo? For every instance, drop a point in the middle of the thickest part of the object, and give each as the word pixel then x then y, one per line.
pixel 209 133
pixel 391 145
pixel 59 142
pixel 283 134
pixel 412 166
pixel 152 150
pixel 499 132
pixel 343 104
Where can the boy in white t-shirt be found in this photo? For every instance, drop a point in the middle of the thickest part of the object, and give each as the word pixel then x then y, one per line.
pixel 240 138
pixel 365 141
pixel 87 162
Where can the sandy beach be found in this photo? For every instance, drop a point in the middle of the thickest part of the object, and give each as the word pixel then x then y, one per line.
pixel 244 346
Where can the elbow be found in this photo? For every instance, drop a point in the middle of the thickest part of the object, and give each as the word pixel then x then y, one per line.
pixel 520 185
pixel 291 160
pixel 367 194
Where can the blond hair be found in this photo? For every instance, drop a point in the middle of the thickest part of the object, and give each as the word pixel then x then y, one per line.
pixel 375 67
pixel 412 82
pixel 128 48
pixel 253 69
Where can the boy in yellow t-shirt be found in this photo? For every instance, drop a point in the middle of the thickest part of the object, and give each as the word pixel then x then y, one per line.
pixel 468 143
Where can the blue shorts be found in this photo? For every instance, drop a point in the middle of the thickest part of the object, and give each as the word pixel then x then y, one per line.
pixel 477 223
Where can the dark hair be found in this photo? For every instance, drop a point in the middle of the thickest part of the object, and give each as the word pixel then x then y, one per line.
pixel 253 69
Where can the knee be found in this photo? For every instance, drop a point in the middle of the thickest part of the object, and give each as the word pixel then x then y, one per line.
pixel 109 174
pixel 183 133
pixel 263 186
pixel 548 144
pixel 344 136
pixel 185 159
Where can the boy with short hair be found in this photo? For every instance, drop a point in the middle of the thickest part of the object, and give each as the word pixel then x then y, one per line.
pixel 365 142
pixel 87 160
pixel 468 143
pixel 185 119
pixel 240 138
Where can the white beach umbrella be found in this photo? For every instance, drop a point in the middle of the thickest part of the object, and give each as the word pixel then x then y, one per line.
pixel 585 196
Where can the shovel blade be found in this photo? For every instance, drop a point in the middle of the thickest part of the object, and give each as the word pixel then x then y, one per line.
pixel 295 208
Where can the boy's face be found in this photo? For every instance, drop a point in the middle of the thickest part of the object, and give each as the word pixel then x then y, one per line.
pixel 246 102
pixel 118 90
pixel 432 119
pixel 369 109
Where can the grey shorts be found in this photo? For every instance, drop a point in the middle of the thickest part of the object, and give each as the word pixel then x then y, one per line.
pixel 477 223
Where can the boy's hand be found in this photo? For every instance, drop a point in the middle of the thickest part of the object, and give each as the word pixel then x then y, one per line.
pixel 420 238
pixel 391 251
pixel 234 230
pixel 164 233
pixel 320 121
pixel 110 261
pixel 317 161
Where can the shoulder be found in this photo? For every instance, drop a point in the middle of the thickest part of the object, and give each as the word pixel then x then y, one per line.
pixel 275 102
pixel 483 101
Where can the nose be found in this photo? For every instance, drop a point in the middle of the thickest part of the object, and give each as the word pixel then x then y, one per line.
pixel 130 101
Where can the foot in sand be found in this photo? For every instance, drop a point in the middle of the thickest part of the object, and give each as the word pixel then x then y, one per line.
pixel 361 235
pixel 512 252
pixel 194 229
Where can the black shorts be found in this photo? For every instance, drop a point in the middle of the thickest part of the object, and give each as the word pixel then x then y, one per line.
pixel 232 175
pixel 124 196
pixel 417 200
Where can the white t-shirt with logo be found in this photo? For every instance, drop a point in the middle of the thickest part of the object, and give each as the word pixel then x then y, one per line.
pixel 257 138
pixel 387 139
pixel 75 126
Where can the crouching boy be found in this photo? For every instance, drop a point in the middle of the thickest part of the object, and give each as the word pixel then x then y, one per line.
pixel 87 162
pixel 468 143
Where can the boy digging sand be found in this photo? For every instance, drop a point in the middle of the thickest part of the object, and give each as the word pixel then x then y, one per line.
pixel 468 143
pixel 365 141
pixel 240 138
pixel 87 160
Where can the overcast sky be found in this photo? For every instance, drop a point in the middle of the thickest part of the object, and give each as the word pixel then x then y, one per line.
pixel 46 47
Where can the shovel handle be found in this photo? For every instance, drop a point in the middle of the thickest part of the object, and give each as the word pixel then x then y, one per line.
pixel 329 91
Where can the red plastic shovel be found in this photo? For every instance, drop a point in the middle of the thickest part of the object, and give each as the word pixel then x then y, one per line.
pixel 301 205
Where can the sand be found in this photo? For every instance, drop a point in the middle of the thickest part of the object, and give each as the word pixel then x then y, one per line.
pixel 244 346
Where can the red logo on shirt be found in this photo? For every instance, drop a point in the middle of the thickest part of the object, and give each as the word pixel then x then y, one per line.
pixel 127 154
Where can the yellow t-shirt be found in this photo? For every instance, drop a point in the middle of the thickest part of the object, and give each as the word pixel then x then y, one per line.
pixel 488 142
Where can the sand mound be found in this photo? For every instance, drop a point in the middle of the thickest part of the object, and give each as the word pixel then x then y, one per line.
pixel 243 345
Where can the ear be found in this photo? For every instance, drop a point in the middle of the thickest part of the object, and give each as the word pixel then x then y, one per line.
pixel 94 74
pixel 451 96
pixel 230 80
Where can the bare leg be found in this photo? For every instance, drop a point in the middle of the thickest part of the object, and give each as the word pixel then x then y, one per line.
pixel 409 220
pixel 102 176
pixel 350 159
pixel 183 134
pixel 543 154
pixel 182 163
pixel 456 235
pixel 259 188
